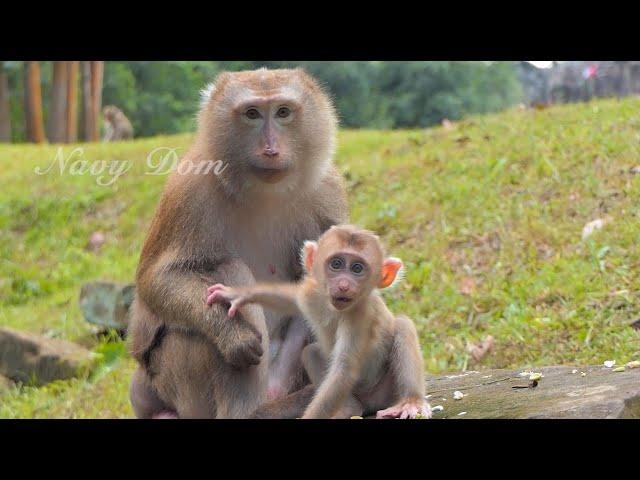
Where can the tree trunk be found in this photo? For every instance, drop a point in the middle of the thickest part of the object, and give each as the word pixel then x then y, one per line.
pixel 92 73
pixel 97 71
pixel 72 102
pixel 58 113
pixel 33 103
pixel 5 110
pixel 87 115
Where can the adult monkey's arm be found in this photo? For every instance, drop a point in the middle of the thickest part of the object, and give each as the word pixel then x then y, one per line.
pixel 182 255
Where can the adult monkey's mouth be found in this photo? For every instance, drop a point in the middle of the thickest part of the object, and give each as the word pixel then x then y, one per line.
pixel 270 175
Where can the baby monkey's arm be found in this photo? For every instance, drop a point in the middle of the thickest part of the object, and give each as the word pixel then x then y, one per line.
pixel 281 297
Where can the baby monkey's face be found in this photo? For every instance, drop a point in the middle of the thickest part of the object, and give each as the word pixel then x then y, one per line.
pixel 349 278
pixel 348 263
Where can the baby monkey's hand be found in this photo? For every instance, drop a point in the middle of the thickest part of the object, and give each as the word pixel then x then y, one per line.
pixel 220 293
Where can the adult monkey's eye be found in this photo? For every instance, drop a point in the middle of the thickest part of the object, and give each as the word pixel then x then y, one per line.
pixel 357 268
pixel 283 112
pixel 252 114
pixel 336 263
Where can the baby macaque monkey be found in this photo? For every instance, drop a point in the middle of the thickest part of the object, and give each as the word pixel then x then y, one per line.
pixel 365 358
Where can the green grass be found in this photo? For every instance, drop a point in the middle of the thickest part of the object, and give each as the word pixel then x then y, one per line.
pixel 498 199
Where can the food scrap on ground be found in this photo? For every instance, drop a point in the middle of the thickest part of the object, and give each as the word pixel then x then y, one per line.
pixel 479 350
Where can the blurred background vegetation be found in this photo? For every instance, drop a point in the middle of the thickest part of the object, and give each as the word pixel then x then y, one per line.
pixel 162 97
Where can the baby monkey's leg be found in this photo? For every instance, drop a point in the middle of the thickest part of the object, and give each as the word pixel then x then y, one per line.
pixel 316 364
pixel 408 369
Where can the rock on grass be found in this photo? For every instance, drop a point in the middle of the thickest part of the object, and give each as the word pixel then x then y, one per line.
pixel 600 393
pixel 5 383
pixel 33 359
pixel 106 304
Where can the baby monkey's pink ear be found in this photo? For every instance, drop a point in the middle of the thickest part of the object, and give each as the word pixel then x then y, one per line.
pixel 390 268
pixel 309 254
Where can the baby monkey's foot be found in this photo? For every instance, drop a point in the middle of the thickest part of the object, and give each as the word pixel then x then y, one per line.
pixel 413 408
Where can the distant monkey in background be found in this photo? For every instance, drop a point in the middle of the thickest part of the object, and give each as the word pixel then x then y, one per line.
pixel 366 358
pixel 117 125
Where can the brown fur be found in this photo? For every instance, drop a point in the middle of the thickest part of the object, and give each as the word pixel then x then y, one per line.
pixel 232 228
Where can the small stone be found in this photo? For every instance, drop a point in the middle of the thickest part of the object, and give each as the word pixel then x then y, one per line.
pixel 462 413
pixel 535 377
pixel 633 364
pixel 591 227
pixel 582 374
pixel 356 417
pixel 609 363
pixel 437 408
pixel 457 395
pixel 574 371
pixel 618 369
pixel 96 241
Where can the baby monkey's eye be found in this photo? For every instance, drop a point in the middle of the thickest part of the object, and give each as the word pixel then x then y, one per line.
pixel 252 114
pixel 283 112
pixel 336 263
pixel 357 268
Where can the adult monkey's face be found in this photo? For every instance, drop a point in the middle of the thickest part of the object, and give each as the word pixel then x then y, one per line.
pixel 274 128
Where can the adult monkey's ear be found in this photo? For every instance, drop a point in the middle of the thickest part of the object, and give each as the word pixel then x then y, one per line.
pixel 390 268
pixel 309 254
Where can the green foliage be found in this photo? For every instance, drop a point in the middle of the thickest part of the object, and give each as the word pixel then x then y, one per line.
pixel 498 200
pixel 163 97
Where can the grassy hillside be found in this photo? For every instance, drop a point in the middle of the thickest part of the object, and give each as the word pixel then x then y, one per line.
pixel 487 215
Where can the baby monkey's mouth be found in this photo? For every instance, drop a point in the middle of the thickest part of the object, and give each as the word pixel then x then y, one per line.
pixel 340 302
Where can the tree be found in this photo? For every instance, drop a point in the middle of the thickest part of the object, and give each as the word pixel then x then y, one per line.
pixel 5 108
pixel 97 72
pixel 58 112
pixel 72 101
pixel 33 103
pixel 92 73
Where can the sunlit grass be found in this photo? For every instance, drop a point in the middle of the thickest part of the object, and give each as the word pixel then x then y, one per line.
pixel 496 202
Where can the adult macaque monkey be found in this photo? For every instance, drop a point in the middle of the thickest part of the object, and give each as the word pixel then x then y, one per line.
pixel 274 130
pixel 117 125
pixel 366 358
